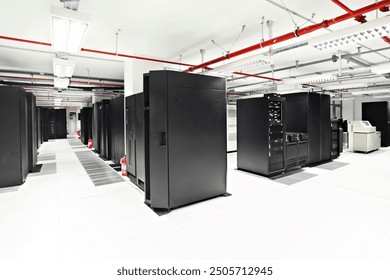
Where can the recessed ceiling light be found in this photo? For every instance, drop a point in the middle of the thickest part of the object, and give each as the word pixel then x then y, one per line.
pixel 313 79
pixel 381 68
pixel 61 83
pixel 63 68
pixel 242 65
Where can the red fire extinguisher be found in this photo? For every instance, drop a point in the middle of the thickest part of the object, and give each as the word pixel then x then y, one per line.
pixel 123 166
pixel 78 134
pixel 90 144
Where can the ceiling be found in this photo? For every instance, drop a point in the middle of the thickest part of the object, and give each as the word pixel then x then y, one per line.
pixel 176 29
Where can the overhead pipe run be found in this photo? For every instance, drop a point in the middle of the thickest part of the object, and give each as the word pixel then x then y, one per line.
pixel 294 34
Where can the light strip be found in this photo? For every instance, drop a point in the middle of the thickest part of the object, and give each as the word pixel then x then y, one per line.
pixel 358 33
pixel 345 86
pixel 373 91
pixel 382 96
pixel 242 65
pixel 68 29
pixel 315 79
pixel 61 83
pixel 63 68
pixel 381 69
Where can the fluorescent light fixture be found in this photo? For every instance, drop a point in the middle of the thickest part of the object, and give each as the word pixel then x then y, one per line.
pixel 61 82
pixel 382 96
pixel 342 98
pixel 315 79
pixel 372 91
pixel 358 33
pixel 345 86
pixel 63 68
pixel 242 65
pixel 68 29
pixel 381 68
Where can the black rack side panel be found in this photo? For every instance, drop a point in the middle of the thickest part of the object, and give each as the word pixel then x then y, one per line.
pixel 378 114
pixel 117 128
pixel 32 131
pixel 139 139
pixel 326 128
pixel 14 158
pixel 130 136
pixel 39 127
pixel 96 128
pixel 105 135
pixel 86 124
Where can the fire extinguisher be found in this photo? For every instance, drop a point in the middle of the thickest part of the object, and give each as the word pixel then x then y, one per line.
pixel 90 144
pixel 78 134
pixel 123 166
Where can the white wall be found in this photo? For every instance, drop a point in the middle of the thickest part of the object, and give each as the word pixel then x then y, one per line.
pixel 358 105
pixel 231 128
pixel 348 109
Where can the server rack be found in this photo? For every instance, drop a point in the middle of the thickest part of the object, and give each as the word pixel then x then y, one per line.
pixel 260 135
pixel 45 124
pixel 378 114
pixel 337 137
pixel 135 146
pixel 31 131
pixel 39 127
pixel 117 129
pixel 57 124
pixel 96 128
pixel 86 124
pixel 105 133
pixel 14 159
pixel 185 138
pixel 310 113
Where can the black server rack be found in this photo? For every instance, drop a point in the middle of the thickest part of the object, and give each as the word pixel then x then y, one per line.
pixel 105 132
pixel 85 125
pixel 310 113
pixel 57 124
pixel 117 129
pixel 260 135
pixel 185 138
pixel 337 137
pixel 378 114
pixel 39 127
pixel 14 158
pixel 96 128
pixel 31 131
pixel 45 130
pixel 135 146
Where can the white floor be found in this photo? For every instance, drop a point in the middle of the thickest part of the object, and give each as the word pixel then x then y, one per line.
pixel 337 214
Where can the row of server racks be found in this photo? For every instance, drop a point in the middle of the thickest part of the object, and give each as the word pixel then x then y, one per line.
pixel 19 139
pixel 104 124
pixel 276 134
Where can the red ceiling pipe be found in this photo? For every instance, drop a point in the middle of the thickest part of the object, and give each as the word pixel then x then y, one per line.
pixel 386 39
pixel 256 76
pixel 384 9
pixel 359 18
pixel 297 33
pixel 24 41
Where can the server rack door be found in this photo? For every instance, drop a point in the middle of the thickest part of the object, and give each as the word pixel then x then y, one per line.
pixel 39 127
pixel 139 139
pixel 113 129
pixel 326 128
pixel 196 144
pixel 11 139
pixel 130 135
pixel 105 131
pixel 156 185
pixel 120 130
pixel 96 126
pixel 52 124
pixel 296 113
pixel 252 136
pixel 31 128
pixel 61 130
pixel 314 128
pixel 23 133
pixel 388 124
